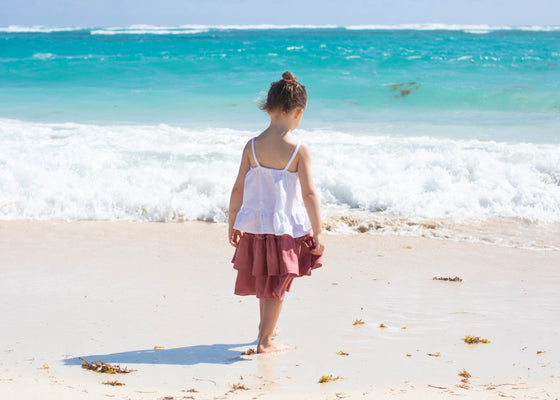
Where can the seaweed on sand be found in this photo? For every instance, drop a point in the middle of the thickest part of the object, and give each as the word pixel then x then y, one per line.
pixel 238 386
pixel 464 374
pixel 114 383
pixel 469 339
pixel 465 381
pixel 100 366
pixel 456 279
pixel 329 378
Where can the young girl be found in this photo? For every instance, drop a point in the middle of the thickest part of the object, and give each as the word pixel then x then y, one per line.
pixel 268 224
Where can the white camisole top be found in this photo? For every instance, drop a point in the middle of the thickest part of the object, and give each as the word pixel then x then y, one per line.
pixel 272 201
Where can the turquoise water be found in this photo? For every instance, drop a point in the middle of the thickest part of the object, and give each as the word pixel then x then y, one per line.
pixel 212 77
pixel 440 124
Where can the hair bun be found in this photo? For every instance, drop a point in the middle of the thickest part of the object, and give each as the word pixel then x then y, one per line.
pixel 285 94
pixel 288 76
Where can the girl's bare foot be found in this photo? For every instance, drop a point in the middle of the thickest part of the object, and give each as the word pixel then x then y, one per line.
pixel 271 347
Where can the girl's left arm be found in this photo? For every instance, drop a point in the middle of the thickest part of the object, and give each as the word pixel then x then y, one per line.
pixel 310 198
pixel 236 198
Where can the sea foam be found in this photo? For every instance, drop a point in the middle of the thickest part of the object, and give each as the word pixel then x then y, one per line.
pixel 37 29
pixel 186 29
pixel 165 173
pixel 458 27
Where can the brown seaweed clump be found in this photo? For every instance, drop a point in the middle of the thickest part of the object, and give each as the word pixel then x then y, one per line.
pixel 465 381
pixel 114 383
pixel 238 386
pixel 358 322
pixel 329 378
pixel 249 352
pixel 464 374
pixel 475 339
pixel 405 88
pixel 100 366
pixel 456 279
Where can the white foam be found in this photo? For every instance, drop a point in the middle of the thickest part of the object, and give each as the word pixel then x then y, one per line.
pixel 165 173
pixel 258 27
pixel 478 32
pixel 43 56
pixel 152 173
pixel 440 178
pixel 148 31
pixel 37 29
pixel 192 29
pixel 455 27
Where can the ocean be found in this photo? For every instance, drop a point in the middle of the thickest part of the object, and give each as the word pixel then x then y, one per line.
pixel 450 132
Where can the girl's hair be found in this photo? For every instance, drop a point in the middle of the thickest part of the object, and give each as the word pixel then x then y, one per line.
pixel 285 94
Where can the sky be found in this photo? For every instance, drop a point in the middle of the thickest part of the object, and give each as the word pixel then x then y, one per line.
pixel 103 13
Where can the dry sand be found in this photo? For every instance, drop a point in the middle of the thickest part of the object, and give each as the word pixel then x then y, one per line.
pixel 112 291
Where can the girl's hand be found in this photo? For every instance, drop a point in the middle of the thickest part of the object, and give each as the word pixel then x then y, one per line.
pixel 234 236
pixel 319 245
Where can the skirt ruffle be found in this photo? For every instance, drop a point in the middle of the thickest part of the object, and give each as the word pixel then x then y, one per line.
pixel 267 264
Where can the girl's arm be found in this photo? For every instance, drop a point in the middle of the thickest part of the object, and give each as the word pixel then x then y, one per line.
pixel 236 198
pixel 310 198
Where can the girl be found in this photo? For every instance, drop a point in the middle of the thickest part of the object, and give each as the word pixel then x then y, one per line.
pixel 268 224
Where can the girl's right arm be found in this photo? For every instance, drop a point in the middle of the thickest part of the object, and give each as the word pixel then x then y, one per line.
pixel 310 198
pixel 236 198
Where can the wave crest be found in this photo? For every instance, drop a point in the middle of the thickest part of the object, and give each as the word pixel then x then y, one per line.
pixel 193 29
pixel 167 173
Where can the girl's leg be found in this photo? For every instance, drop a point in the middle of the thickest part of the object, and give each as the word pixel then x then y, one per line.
pixel 270 312
pixel 276 330
pixel 261 307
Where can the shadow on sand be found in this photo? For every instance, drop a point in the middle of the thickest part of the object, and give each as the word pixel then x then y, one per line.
pixel 192 355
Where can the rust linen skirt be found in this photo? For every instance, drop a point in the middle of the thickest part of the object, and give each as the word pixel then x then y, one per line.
pixel 267 264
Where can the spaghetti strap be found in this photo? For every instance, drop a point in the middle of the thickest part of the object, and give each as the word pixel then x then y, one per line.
pixel 254 154
pixel 293 156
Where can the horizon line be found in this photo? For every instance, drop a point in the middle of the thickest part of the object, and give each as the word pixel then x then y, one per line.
pixel 200 28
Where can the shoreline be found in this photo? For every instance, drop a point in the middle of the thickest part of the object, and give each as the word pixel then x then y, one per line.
pixel 497 231
pixel 113 291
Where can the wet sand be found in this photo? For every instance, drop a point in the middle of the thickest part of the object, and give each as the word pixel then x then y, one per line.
pixel 113 291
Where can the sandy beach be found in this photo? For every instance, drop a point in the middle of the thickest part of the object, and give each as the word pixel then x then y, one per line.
pixel 157 298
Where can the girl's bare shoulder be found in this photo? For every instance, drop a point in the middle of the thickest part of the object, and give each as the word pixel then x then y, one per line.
pixel 304 151
pixel 248 153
